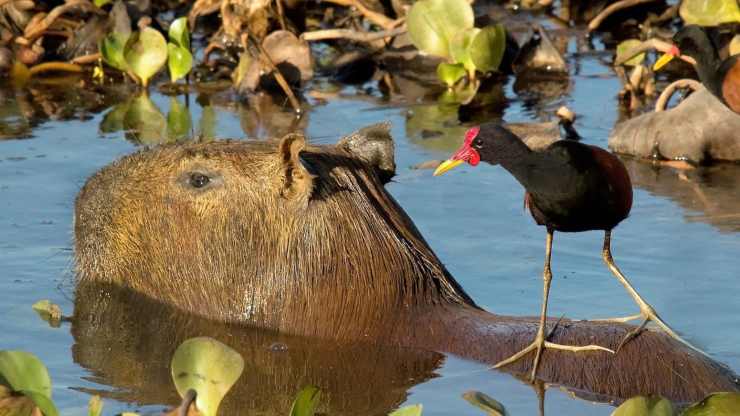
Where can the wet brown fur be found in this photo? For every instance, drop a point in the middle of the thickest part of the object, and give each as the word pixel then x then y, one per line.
pixel 307 241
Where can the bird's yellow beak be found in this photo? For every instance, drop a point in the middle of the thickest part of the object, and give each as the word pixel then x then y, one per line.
pixel 448 164
pixel 665 58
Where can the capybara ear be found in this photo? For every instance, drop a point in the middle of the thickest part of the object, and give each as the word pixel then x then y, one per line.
pixel 298 182
pixel 373 145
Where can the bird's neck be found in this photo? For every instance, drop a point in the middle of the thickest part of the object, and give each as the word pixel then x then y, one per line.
pixel 707 64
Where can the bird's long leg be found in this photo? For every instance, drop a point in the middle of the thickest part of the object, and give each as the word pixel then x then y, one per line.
pixel 646 310
pixel 540 341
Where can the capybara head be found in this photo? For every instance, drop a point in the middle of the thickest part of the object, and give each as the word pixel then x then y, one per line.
pixel 301 239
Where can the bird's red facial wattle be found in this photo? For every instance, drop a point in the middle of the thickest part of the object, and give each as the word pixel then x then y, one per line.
pixel 466 154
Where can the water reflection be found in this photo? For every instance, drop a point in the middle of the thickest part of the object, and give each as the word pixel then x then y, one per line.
pixel 142 336
pixel 706 194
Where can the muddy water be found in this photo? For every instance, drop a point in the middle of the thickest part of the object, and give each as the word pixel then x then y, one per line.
pixel 680 246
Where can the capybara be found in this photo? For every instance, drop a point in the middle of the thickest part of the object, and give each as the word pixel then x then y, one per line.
pixel 306 241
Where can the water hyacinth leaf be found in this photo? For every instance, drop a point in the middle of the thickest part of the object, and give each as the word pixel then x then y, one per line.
pixel 22 370
pixel 179 121
pixel 626 46
pixel 179 34
pixel 433 23
pixel 179 60
pixel 716 404
pixel 460 48
pixel 645 406
pixel 111 49
pixel 143 122
pixel 145 53
pixel 487 48
pixel 413 410
pixel 709 12
pixel 485 402
pixel 459 94
pixel 95 406
pixel 450 73
pixel 48 311
pixel 207 366
pixel 306 401
pixel 101 3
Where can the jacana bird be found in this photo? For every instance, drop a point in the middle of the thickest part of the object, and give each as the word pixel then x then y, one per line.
pixel 570 187
pixel 720 77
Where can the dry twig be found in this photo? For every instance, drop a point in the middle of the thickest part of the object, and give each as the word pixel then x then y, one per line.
pixel 352 35
pixel 377 18
pixel 613 8
pixel 37 29
pixel 265 57
pixel 667 93
pixel 54 66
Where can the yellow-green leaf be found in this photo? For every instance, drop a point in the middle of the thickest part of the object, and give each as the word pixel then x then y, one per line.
pixel 179 60
pixel 179 34
pixel 95 406
pixel 111 49
pixel 145 53
pixel 450 73
pixel 626 46
pixel 207 366
pixel 645 406
pixel 433 23
pixel 485 402
pixel 306 402
pixel 487 48
pixel 413 410
pixel 709 12
pixel 716 404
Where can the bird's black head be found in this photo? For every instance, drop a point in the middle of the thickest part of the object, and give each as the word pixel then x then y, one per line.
pixel 695 42
pixel 490 142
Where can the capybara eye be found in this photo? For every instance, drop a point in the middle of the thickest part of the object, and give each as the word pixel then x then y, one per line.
pixel 199 180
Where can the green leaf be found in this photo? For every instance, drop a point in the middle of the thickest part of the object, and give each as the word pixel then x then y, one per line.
pixel 207 366
pixel 101 3
pixel 709 12
pixel 306 401
pixel 716 404
pixel 626 46
pixel 179 121
pixel 485 402
pixel 42 401
pixel 143 122
pixel 111 49
pixel 22 370
pixel 95 407
pixel 645 406
pixel 460 48
pixel 48 311
pixel 180 61
pixel 413 410
pixel 433 23
pixel 450 73
pixel 487 48
pixel 459 94
pixel 145 53
pixel 179 34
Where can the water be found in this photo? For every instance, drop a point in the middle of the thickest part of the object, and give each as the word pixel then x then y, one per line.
pixel 679 246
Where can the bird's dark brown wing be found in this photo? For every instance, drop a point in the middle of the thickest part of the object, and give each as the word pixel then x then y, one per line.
pixel 730 70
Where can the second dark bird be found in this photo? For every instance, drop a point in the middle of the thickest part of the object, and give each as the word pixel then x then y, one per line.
pixel 570 187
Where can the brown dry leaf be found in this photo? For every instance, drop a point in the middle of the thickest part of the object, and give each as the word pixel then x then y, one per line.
pixel 245 13
pixel 290 54
pixel 11 405
pixel 202 8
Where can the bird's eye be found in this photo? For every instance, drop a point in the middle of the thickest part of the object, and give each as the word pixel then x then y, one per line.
pixel 198 180
pixel 478 144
